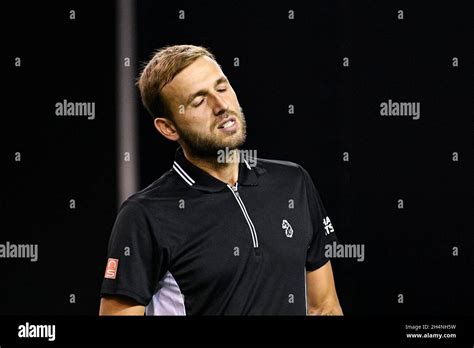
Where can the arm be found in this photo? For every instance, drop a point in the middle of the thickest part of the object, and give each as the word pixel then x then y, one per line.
pixel 120 305
pixel 321 292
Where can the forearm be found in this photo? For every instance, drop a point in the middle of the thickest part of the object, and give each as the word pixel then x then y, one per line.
pixel 321 292
pixel 328 308
pixel 117 305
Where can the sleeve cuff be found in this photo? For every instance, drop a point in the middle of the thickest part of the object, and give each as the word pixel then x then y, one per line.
pixel 312 266
pixel 122 292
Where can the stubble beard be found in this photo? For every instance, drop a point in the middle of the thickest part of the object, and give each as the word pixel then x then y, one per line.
pixel 207 147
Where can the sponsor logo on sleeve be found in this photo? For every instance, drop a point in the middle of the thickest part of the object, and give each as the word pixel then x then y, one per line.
pixel 111 269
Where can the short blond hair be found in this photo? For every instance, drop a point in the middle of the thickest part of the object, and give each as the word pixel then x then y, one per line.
pixel 165 64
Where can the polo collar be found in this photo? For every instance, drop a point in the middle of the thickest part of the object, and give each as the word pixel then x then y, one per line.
pixel 197 178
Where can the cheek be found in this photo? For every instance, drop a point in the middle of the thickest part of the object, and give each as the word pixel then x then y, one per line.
pixel 197 119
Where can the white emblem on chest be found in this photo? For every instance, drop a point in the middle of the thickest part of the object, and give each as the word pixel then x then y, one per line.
pixel 287 227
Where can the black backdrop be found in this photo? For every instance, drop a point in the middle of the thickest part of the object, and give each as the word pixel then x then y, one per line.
pixel 408 251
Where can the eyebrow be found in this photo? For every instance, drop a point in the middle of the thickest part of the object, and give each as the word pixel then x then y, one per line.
pixel 220 80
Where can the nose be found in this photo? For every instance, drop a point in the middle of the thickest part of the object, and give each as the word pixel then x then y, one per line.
pixel 220 105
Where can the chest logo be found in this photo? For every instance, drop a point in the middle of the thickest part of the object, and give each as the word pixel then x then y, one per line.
pixel 287 227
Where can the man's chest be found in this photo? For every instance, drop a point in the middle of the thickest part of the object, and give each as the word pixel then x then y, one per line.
pixel 223 236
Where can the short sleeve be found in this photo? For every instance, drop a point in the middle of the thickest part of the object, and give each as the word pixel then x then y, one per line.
pixel 135 261
pixel 322 228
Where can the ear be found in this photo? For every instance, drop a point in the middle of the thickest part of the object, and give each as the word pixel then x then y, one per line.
pixel 166 128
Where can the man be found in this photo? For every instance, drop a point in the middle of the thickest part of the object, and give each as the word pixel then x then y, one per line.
pixel 215 235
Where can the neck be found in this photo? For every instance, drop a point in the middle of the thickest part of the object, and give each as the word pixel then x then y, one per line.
pixel 227 172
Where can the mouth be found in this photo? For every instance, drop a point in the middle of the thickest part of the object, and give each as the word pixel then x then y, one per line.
pixel 229 124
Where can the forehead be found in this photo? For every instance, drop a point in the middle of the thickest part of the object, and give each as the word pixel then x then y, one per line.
pixel 201 74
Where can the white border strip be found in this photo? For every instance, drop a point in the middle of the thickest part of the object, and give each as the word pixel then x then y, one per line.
pixel 253 232
pixel 247 164
pixel 183 172
pixel 181 175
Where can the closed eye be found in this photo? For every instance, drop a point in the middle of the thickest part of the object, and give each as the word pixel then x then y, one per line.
pixel 198 103
pixel 221 87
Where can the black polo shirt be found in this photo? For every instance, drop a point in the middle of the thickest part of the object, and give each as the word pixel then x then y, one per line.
pixel 190 244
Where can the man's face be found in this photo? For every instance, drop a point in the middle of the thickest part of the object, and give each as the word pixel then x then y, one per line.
pixel 206 112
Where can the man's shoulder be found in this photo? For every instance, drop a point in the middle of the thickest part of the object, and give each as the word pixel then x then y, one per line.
pixel 279 167
pixel 276 163
pixel 160 190
pixel 282 172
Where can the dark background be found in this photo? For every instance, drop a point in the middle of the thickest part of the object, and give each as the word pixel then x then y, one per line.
pixel 407 251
